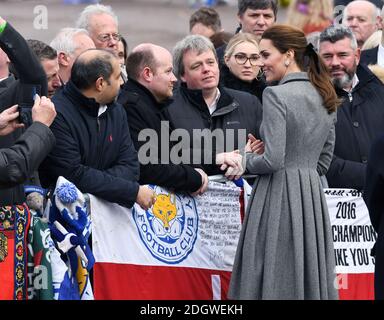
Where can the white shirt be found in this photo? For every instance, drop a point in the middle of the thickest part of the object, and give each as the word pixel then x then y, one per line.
pixel 380 56
pixel 213 106
pixel 355 82
pixel 102 109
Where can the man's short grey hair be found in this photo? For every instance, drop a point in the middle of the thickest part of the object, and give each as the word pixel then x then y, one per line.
pixel 338 32
pixel 376 11
pixel 94 9
pixel 197 43
pixel 64 40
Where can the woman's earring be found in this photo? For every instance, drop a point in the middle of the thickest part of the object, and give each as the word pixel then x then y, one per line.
pixel 260 75
pixel 287 63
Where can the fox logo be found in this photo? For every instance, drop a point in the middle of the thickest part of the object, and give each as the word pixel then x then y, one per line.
pixel 168 229
pixel 165 214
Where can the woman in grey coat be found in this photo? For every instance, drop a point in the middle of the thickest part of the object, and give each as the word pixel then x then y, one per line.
pixel 285 250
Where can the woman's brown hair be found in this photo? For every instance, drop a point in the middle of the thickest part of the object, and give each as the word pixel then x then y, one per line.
pixel 284 38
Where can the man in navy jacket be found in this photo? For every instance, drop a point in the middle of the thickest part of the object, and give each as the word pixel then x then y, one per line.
pixel 360 118
pixel 94 149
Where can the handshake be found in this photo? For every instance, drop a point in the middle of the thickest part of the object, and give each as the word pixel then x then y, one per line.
pixel 43 111
pixel 233 163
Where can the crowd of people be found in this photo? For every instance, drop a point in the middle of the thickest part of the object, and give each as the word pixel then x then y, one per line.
pixel 299 108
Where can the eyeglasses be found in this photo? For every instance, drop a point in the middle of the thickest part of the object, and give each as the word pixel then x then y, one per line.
pixel 242 59
pixel 107 36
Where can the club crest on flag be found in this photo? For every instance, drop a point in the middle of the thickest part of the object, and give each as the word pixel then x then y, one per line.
pixel 169 228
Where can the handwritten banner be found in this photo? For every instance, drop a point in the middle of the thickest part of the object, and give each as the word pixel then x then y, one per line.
pixel 352 232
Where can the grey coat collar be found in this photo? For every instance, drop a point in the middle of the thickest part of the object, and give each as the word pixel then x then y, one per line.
pixel 300 76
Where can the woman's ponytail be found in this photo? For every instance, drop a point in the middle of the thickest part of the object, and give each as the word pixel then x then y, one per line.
pixel 319 77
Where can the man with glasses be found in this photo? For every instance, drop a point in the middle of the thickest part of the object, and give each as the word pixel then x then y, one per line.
pixel 102 24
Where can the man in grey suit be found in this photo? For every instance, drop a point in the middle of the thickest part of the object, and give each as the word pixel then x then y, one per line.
pixel 360 117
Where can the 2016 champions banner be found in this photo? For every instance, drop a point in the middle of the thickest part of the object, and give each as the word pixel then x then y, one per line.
pixel 353 239
pixel 184 247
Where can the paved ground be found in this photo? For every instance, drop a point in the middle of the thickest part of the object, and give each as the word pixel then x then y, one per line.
pixel 163 22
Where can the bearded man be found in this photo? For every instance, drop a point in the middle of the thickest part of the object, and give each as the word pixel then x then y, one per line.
pixel 360 118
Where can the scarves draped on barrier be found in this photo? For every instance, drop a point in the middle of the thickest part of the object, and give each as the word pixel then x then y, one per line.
pixel 182 248
pixel 70 227
pixel 14 224
pixel 40 246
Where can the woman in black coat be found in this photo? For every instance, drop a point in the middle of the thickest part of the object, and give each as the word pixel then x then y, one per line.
pixel 374 199
pixel 241 68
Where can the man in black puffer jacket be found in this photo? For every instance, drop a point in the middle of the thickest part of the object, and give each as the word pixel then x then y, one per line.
pixel 145 98
pixel 199 103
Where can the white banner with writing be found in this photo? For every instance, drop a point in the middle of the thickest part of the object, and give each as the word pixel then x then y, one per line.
pixel 352 232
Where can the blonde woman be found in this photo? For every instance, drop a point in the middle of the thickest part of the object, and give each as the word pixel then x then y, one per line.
pixel 310 15
pixel 241 68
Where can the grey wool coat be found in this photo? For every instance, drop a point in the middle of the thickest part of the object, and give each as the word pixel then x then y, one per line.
pixel 285 249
